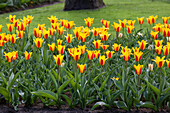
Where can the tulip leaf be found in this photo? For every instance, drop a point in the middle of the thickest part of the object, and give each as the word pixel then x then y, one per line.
pixel 103 84
pixel 100 104
pixel 162 99
pixel 146 104
pixel 3 79
pixel 67 99
pixel 121 104
pixel 98 76
pixel 61 88
pixel 53 79
pixel 5 93
pixel 46 93
pixel 56 75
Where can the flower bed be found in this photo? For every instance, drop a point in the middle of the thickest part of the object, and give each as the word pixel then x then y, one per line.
pixel 63 64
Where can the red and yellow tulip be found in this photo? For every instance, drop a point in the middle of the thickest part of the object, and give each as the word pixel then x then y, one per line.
pixel 95 31
pixel 109 53
pixel 52 31
pixel 89 21
pixel 69 38
pixel 1 28
pixel 97 44
pixel 38 42
pixel 82 48
pixel 81 67
pixel 168 63
pixel 10 27
pixel 158 43
pixel 27 55
pixel 60 49
pixel 123 23
pixel 53 19
pixel 166 50
pixel 138 69
pixel 104 47
pixel 140 20
pixel 60 30
pixel 142 44
pixel 90 54
pixel 131 22
pixel 159 61
pixel 158 27
pixel 116 47
pixel 154 35
pixel 129 29
pixel 117 27
pixel 55 25
pixel 104 36
pixel 9 56
pixel 58 59
pixel 20 34
pixel 59 42
pixel 45 34
pixel 96 54
pixel 2 43
pixel 138 56
pixel 165 20
pixel 52 46
pixel 11 18
pixel 102 60
pixel 13 38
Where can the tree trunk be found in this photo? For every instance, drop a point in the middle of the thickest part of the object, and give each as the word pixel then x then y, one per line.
pixel 83 4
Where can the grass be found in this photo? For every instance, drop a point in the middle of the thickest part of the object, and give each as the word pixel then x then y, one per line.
pixel 114 10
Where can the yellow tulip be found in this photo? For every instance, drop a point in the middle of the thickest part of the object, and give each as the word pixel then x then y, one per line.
pixel 27 55
pixel 52 46
pixel 58 59
pixel 69 38
pixel 159 61
pixel 60 49
pixel 138 69
pixel 81 67
pixel 154 35
pixel 109 53
pixel 102 60
pixel 38 42
pixel 142 44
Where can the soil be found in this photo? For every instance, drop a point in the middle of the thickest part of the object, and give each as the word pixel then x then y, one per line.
pixel 12 9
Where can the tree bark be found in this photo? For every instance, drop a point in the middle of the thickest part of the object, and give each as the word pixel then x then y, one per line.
pixel 83 4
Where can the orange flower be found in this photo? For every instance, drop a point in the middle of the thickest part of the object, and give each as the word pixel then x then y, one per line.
pixel 81 67
pixel 102 60
pixel 58 59
pixel 138 69
pixel 142 44
pixel 96 54
pixel 109 53
pixel 27 55
pixel 90 54
pixel 140 20
pixel 116 47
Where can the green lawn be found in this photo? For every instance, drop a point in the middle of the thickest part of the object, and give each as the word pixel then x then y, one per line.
pixel 114 10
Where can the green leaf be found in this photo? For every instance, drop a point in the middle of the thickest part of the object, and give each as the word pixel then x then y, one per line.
pixel 13 80
pixel 67 99
pixel 100 104
pixel 146 104
pixel 47 94
pixel 53 79
pixel 56 75
pixel 163 98
pixel 61 88
pixel 5 93
pixel 121 104
pixel 3 79
pixel 103 84
pixel 97 77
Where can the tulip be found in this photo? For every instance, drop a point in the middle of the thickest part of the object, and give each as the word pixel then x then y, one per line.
pixel 38 42
pixel 150 66
pixel 140 20
pixel 168 63
pixel 165 20
pixel 81 67
pixel 89 21
pixel 58 59
pixel 15 55
pixel 149 21
pixel 129 29
pixel 27 55
pixel 21 26
pixel 138 56
pixel 104 36
pixel 166 50
pixel 30 18
pixel 41 27
pixel 158 27
pixel 153 18
pixel 1 43
pixel 142 44
pixel 45 34
pixel 63 22
pixel 138 69
pixel 97 44
pixel 10 27
pixel 159 61
pixel 109 53
pixel 82 48
pixel 52 46
pixel 76 54
pixel 154 35
pixel 53 19
pixel 95 31
pixel 15 22
pixel 102 60
pixel 158 42
pixel 11 18
pixel 165 32
pixel 116 47
pixel 60 49
pixel 77 31
pixel 104 46
pixel 131 23
pixel 117 27
pixel 126 55
pixel 55 25
pixel 1 28
pixel 60 30
pixel 96 54
pixel 52 31
pixel 86 30
pixel 106 23
pixel 7 37
pixel 69 25
pixel 135 49
pixel 123 23
pixel 36 32
pixel 90 54
pixel 83 37
pixel 69 38
pixel 20 34
pixel 59 42
pixel 13 38
pixel 9 56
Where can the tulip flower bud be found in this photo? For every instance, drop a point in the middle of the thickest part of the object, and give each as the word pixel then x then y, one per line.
pixel 150 67
pixel 62 65
pixel 150 47
pixel 87 43
pixel 120 35
pixel 168 39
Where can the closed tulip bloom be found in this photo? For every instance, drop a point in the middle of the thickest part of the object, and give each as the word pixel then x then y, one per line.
pixel 52 46
pixel 60 30
pixel 150 66
pixel 38 42
pixel 158 27
pixel 135 49
pixel 1 28
pixel 117 27
pixel 165 32
pixel 168 63
pixel 15 55
pixel 41 27
pixel 53 19
pixel 69 38
pixel 104 46
pixel 30 18
pixel 76 54
pixel 90 54
pixel 89 21
pixel 159 61
pixel 165 20
pixel 9 56
pixel 11 18
pixel 153 18
pixel 52 31
pixel 82 48
pixel 131 23
pixel 58 59
pixel 106 23
pixel 45 34
pixel 123 23
pixel 96 54
pixel 140 20
pixel 55 25
pixel 83 37
pixel 60 49
pixel 77 31
pixel 27 55
pixel 138 56
pixel 166 50
pixel 102 60
pixel 6 38
pixel 129 29
pixel 97 44
pixel 104 36
pixel 142 44
pixel 95 31
pixel 109 53
pixel 69 25
pixel 39 33
pixel 86 31
pixel 13 38
pixel 81 67
pixel 154 35
pixel 21 26
pixel 158 43
pixel 20 34
pixel 1 43
pixel 15 22
pixel 138 69
pixel 10 27
pixel 149 21
pixel 36 32
pixel 116 47
pixel 126 55
pixel 59 42
pixel 63 22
